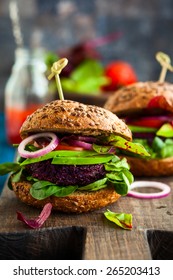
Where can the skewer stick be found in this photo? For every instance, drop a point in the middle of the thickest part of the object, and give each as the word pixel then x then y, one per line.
pixel 165 63
pixel 55 71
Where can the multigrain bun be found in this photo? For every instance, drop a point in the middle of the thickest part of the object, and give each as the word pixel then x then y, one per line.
pixel 133 101
pixel 77 202
pixel 66 116
pixel 136 97
pixel 151 167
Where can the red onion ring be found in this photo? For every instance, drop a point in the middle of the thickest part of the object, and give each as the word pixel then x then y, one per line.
pixel 86 146
pixel 165 189
pixel 50 147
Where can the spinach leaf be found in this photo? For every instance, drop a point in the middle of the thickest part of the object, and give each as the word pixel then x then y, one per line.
pixel 17 176
pixel 64 191
pixel 94 186
pixel 8 167
pixel 87 78
pixel 101 149
pixel 43 189
pixel 43 193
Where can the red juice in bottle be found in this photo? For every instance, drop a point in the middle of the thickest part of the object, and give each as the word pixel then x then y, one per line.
pixel 26 90
pixel 14 120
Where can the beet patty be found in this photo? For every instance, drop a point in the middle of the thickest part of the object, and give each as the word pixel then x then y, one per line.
pixel 66 175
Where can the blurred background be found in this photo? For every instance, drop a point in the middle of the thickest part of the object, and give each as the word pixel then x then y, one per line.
pixel 107 31
pixel 139 28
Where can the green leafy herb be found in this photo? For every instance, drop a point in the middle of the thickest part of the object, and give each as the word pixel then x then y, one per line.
pixel 87 78
pixel 135 128
pixel 8 167
pixel 122 220
pixel 121 143
pixel 99 184
pixel 44 192
pixel 50 58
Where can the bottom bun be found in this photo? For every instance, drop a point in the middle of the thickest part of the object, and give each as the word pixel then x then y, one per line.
pixel 77 202
pixel 151 168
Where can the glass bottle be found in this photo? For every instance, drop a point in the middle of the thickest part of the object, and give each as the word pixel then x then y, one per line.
pixel 25 91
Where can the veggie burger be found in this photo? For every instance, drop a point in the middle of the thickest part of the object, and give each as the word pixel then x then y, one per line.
pixel 67 157
pixel 147 109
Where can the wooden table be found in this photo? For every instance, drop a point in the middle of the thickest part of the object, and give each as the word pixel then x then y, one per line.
pixel 89 236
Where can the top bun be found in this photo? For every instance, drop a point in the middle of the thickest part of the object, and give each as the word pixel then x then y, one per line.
pixel 133 98
pixel 67 116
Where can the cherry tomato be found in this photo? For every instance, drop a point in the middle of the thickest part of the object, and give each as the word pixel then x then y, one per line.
pixel 153 122
pixel 120 73
pixel 156 102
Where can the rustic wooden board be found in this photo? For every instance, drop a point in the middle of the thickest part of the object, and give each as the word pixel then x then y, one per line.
pixel 89 236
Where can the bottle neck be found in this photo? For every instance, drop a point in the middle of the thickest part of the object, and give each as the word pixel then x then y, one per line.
pixel 24 56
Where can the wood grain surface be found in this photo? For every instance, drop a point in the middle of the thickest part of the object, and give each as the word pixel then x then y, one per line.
pixel 90 236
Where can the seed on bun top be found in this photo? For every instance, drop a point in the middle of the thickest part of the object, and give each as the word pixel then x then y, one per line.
pixel 67 116
pixel 138 95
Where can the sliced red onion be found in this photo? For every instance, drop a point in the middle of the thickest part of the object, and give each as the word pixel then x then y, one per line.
pixel 50 147
pixel 142 135
pixel 88 139
pixel 165 189
pixel 38 222
pixel 164 118
pixel 86 146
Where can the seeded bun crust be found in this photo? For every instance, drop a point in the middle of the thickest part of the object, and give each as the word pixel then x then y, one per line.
pixel 151 168
pixel 135 97
pixel 66 116
pixel 78 202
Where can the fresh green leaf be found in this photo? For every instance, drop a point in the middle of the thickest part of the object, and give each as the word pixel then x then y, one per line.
pixel 121 143
pixel 157 144
pixel 135 128
pixel 167 151
pixel 88 77
pixel 166 130
pixel 64 191
pixel 102 149
pixel 121 187
pixel 94 186
pixel 8 167
pixel 159 148
pixel 9 184
pixel 122 220
pixel 43 193
pixel 129 176
pixel 118 165
pixel 43 189
pixel 88 68
pixel 41 184
pixel 114 176
pixel 17 176
pixel 50 58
